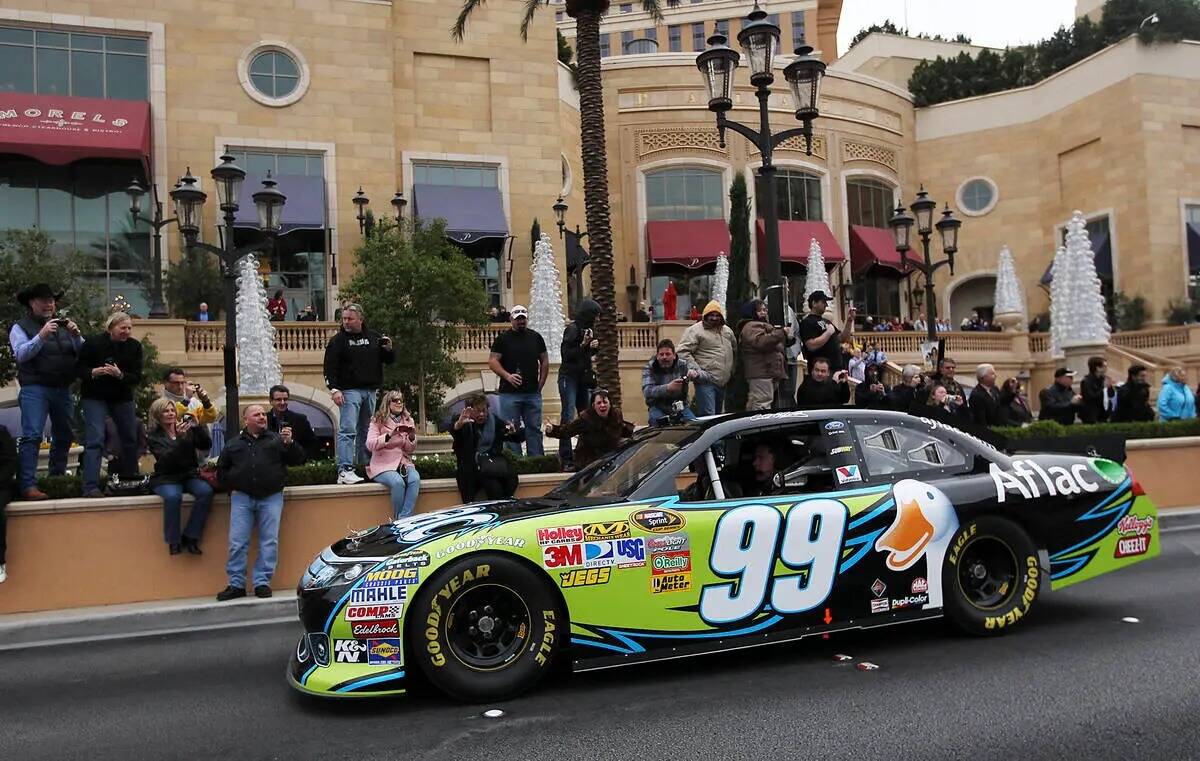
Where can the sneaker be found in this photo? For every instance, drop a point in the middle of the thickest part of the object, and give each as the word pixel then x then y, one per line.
pixel 348 476
pixel 262 590
pixel 191 545
pixel 174 549
pixel 3 573
pixel 230 593
pixel 34 493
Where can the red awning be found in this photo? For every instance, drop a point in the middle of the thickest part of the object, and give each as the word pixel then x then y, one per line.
pixel 795 239
pixel 873 245
pixel 691 243
pixel 57 129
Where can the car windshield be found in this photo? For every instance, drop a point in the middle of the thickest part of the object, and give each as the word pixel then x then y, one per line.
pixel 620 473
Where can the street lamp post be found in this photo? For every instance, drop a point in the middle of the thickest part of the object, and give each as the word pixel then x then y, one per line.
pixel 189 203
pixel 902 224
pixel 361 202
pixel 760 39
pixel 560 213
pixel 135 191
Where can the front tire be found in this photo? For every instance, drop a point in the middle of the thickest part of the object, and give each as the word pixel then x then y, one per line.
pixel 486 627
pixel 991 577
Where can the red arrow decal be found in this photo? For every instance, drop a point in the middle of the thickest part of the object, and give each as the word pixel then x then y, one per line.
pixel 828 616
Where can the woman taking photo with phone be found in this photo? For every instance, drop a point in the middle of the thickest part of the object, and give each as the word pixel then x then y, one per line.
pixel 176 444
pixel 391 440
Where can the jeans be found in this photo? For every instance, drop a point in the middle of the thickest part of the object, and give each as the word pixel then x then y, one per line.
pixel 244 512
pixel 94 413
pixel 354 418
pixel 36 403
pixel 656 414
pixel 526 409
pixel 172 497
pixel 404 490
pixel 710 399
pixel 574 400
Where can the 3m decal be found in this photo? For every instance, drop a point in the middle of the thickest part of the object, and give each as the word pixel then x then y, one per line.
pixel 373 612
pixel 657 521
pixel 925 521
pixel 479 543
pixel 746 546
pixel 671 562
pixel 365 629
pixel 1031 480
pixel 668 543
pixel 607 530
pixel 562 555
pixel 408 559
pixel 847 474
pixel 383 652
pixel 880 605
pixel 349 651
pixel 673 582
pixel 433 621
pixel 560 535
pixel 395 593
pixel 585 578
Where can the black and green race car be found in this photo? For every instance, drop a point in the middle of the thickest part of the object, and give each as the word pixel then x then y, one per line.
pixel 723 533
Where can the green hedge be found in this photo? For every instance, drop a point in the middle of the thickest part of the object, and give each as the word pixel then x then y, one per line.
pixel 1150 430
pixel 321 472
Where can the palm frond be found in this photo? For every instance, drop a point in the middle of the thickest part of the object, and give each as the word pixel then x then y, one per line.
pixel 531 7
pixel 655 8
pixel 460 24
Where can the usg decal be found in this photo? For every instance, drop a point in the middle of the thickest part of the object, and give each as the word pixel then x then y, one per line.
pixel 1032 480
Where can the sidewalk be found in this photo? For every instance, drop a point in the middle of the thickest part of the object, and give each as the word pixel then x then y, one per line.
pixel 145 619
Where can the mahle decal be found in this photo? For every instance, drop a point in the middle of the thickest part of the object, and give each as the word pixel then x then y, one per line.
pixel 1032 480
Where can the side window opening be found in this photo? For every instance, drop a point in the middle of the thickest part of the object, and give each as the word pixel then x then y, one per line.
pixel 893 449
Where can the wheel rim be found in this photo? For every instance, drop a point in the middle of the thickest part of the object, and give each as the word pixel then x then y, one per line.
pixel 486 627
pixel 987 573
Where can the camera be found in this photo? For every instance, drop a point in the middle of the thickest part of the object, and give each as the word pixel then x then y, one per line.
pixel 188 418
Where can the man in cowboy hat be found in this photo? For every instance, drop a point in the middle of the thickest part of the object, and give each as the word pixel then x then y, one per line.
pixel 46 349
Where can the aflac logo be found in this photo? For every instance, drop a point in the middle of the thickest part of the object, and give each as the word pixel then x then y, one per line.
pixel 1029 478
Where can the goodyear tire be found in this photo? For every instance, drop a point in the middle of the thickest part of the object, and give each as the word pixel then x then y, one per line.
pixel 486 627
pixel 991 577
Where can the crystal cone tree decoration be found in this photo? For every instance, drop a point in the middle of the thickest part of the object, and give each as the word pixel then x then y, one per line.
pixel 1084 320
pixel 720 288
pixel 545 299
pixel 817 278
pixel 1009 298
pixel 258 362
pixel 1059 282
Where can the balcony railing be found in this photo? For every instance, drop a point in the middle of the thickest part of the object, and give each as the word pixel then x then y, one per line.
pixel 1154 338
pixel 630 335
pixel 909 342
pixel 209 337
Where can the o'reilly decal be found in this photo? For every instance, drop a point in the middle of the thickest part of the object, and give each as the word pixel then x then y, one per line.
pixel 1032 480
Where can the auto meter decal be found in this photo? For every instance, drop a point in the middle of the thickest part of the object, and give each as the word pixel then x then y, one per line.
pixel 925 521
pixel 657 521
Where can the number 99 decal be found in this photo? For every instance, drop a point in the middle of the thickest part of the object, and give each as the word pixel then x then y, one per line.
pixel 746 546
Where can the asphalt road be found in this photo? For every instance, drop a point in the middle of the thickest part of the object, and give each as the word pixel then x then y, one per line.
pixel 1076 682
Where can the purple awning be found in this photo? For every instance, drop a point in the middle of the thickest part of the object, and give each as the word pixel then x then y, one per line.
pixel 304 209
pixel 471 214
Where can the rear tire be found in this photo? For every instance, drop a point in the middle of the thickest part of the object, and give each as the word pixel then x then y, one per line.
pixel 991 577
pixel 486 627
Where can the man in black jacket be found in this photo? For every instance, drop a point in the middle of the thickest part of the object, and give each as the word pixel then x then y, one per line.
pixel 354 360
pixel 818 390
pixel 253 467
pixel 575 374
pixel 1133 398
pixel 281 417
pixel 985 398
pixel 1097 392
pixel 1060 403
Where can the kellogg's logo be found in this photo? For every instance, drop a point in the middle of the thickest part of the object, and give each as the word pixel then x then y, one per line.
pixel 1135 525
pixel 657 521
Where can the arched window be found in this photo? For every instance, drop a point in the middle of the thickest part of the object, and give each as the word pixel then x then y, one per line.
pixel 684 193
pixel 869 202
pixel 797 196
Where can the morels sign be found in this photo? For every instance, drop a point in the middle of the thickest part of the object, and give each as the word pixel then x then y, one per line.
pixel 57 129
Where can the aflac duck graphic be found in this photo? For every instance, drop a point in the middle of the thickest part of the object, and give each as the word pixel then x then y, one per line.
pixel 925 521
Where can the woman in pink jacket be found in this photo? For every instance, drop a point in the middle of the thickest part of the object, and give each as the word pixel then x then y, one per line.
pixel 391 440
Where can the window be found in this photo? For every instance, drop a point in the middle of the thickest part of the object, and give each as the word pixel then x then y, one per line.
pixel 977 196
pixel 721 26
pixel 650 34
pixel 626 38
pixel 75 64
pixel 798 196
pixel 697 37
pixel 797 29
pixel 895 450
pixel 1191 217
pixel 274 74
pixel 869 202
pixel 258 163
pixel 604 51
pixel 692 289
pixel 626 7
pixel 684 193
pixel 558 15
pixel 675 38
pixel 456 175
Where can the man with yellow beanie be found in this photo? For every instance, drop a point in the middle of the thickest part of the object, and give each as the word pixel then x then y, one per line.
pixel 708 344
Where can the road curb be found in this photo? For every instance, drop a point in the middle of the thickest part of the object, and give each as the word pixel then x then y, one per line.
pixel 1179 518
pixel 23 630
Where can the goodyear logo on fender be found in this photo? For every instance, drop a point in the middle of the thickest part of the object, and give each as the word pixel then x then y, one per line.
pixel 1031 480
pixel 657 521
pixel 585 578
pixel 391 576
pixel 606 530
pixel 674 582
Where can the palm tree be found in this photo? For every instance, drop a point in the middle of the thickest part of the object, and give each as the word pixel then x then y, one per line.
pixel 587 15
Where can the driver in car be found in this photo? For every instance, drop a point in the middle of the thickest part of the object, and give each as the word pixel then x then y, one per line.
pixel 767 462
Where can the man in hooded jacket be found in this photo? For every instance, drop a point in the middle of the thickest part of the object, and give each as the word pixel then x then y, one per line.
pixel 575 375
pixel 708 344
pixel 763 355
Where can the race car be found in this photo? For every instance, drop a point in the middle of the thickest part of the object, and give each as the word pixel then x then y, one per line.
pixel 717 534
